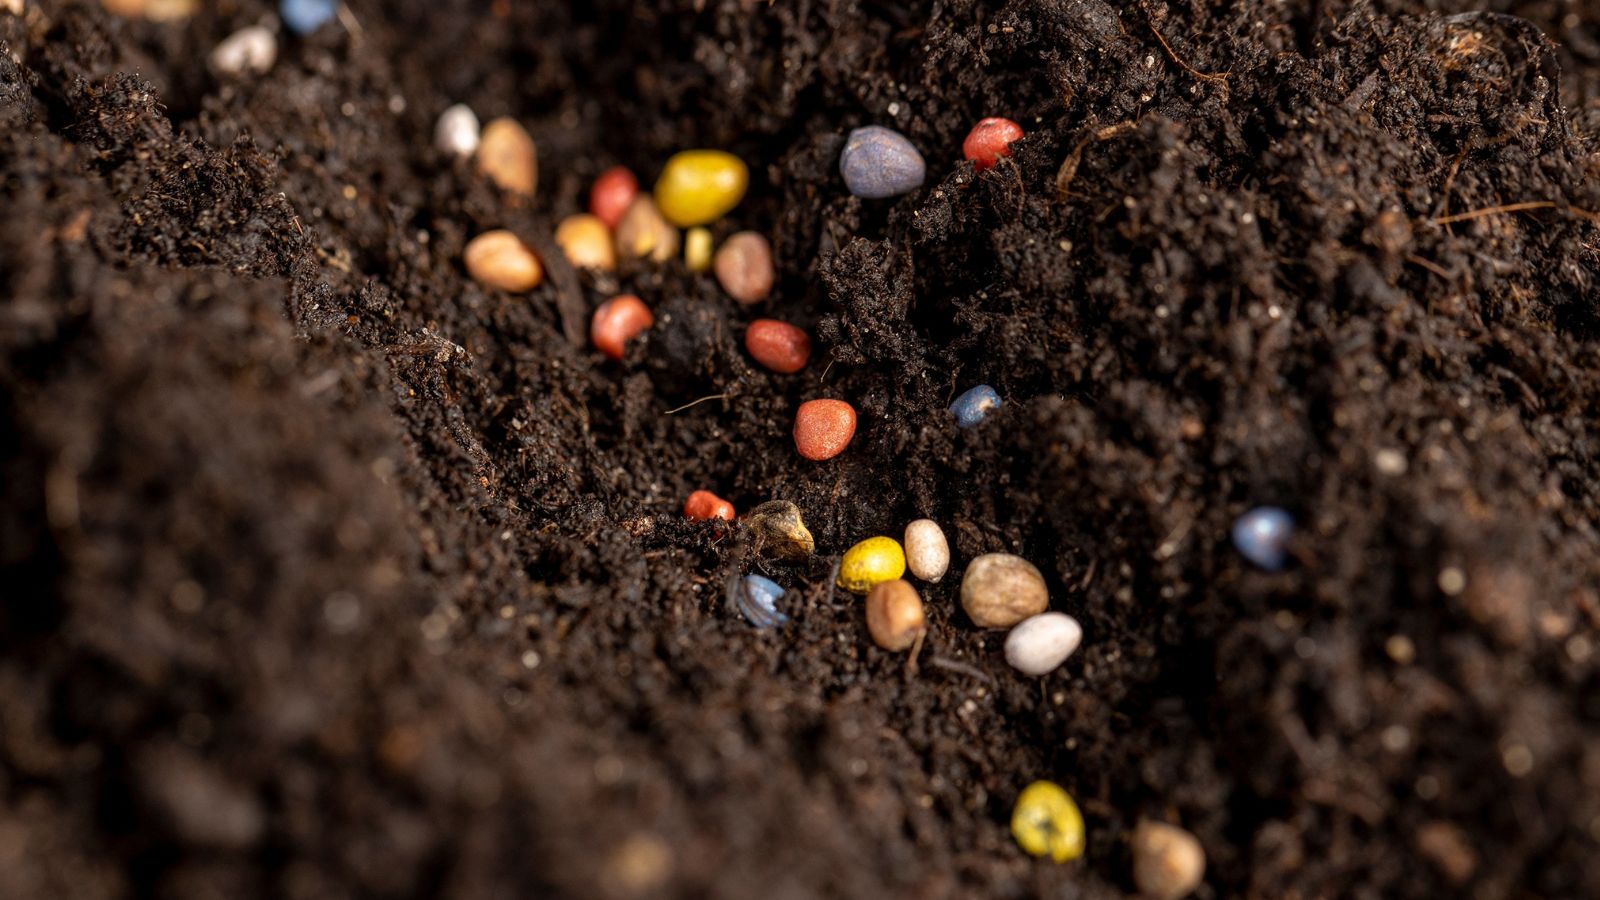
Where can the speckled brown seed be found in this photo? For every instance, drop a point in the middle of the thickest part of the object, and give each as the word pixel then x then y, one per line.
pixel 999 590
pixel 744 267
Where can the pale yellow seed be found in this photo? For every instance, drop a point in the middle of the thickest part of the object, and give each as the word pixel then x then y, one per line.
pixel 1168 862
pixel 500 260
pixel 697 249
pixel 643 233
pixel 506 153
pixel 586 241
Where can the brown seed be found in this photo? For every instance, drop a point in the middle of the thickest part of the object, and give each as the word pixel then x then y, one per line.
pixel 586 241
pixel 894 615
pixel 779 531
pixel 506 153
pixel 1168 862
pixel 744 267
pixel 643 233
pixel 999 590
pixel 500 260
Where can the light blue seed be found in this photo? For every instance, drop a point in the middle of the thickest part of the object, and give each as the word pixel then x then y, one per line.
pixel 878 162
pixel 1262 536
pixel 975 405
pixel 757 598
pixel 306 16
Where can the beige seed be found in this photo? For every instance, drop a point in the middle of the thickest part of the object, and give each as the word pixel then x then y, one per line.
pixel 506 153
pixel 586 241
pixel 894 615
pixel 999 590
pixel 744 267
pixel 1168 861
pixel 927 552
pixel 644 233
pixel 500 260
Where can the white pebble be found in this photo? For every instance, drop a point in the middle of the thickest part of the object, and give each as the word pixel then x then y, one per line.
pixel 927 552
pixel 1040 644
pixel 249 50
pixel 457 131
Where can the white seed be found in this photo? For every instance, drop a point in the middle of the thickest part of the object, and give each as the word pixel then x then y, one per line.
pixel 999 590
pixel 457 131
pixel 1168 862
pixel 11 6
pixel 927 552
pixel 249 50
pixel 1040 644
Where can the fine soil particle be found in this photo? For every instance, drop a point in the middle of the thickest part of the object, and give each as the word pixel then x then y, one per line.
pixel 328 572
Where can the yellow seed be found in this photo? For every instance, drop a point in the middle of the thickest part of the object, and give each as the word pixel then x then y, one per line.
pixel 894 615
pixel 499 259
pixel 644 233
pixel 871 562
pixel 698 187
pixel 1046 822
pixel 507 155
pixel 697 249
pixel 586 241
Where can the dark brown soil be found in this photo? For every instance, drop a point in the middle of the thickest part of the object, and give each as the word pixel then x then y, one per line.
pixel 329 573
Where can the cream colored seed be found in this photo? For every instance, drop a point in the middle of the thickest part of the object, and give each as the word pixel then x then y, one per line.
pixel 644 233
pixel 457 131
pixel 999 590
pixel 506 153
pixel 1168 862
pixel 251 49
pixel 586 241
pixel 927 552
pixel 1038 645
pixel 894 615
pixel 500 260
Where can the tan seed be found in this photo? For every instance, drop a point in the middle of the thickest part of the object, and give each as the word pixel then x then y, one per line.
pixel 1168 862
pixel 894 615
pixel 999 590
pixel 586 241
pixel 744 267
pixel 927 552
pixel 643 233
pixel 499 259
pixel 506 153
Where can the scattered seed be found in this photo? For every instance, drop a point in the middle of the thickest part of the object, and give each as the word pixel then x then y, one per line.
pixel 757 597
pixel 1262 536
pixel 1168 862
pixel 779 531
pixel 999 590
pixel 698 187
pixel 697 249
pixel 1038 645
pixel 927 552
pixel 989 140
pixel 779 346
pixel 508 156
pixel 706 505
pixel 499 259
pixel 879 162
pixel 894 615
pixel 586 242
pixel 250 50
pixel 1046 822
pixel 744 267
pixel 643 233
pixel 975 405
pixel 618 321
pixel 306 16
pixel 457 131
pixel 612 194
pixel 870 563
pixel 823 428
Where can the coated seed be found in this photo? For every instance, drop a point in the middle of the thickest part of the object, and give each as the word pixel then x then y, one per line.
pixel 1040 644
pixel 779 531
pixel 706 505
pixel 586 242
pixel 744 267
pixel 508 156
pixel 757 597
pixel 306 16
pixel 927 552
pixel 698 187
pixel 1046 822
pixel 499 259
pixel 779 346
pixel 975 405
pixel 643 233
pixel 251 50
pixel 989 140
pixel 823 428
pixel 894 615
pixel 697 249
pixel 879 162
pixel 1262 536
pixel 618 321
pixel 612 194
pixel 1168 862
pixel 457 131
pixel 999 590
pixel 870 563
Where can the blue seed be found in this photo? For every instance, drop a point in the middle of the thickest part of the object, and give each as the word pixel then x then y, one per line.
pixel 1262 536
pixel 306 16
pixel 878 163
pixel 757 598
pixel 975 405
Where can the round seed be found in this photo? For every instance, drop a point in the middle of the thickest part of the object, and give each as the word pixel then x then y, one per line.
pixel 706 505
pixel 499 259
pixel 306 16
pixel 823 428
pixel 927 552
pixel 698 187
pixel 586 242
pixel 1040 644
pixel 508 156
pixel 894 615
pixel 618 321
pixel 879 162
pixel 870 563
pixel 1046 822
pixel 999 590
pixel 643 233
pixel 779 346
pixel 612 194
pixel 457 131
pixel 1168 862
pixel 989 140
pixel 1262 536
pixel 697 249
pixel 744 267
pixel 251 50
pixel 779 531
pixel 975 405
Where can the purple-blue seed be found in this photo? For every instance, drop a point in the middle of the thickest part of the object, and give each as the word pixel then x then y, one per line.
pixel 879 162
pixel 975 405
pixel 306 16
pixel 757 598
pixel 1262 536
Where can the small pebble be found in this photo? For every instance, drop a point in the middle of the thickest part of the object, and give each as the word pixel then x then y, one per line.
pixel 757 598
pixel 927 552
pixel 975 405
pixel 894 615
pixel 586 242
pixel 1040 644
pixel 1168 862
pixel 999 590
pixel 706 505
pixel 823 428
pixel 779 346
pixel 618 321
pixel 1046 822
pixel 870 563
pixel 613 192
pixel 697 249
pixel 252 49
pixel 501 260
pixel 506 153
pixel 306 16
pixel 989 140
pixel 744 267
pixel 698 187
pixel 779 531
pixel 457 131
pixel 879 162
pixel 644 234
pixel 1262 536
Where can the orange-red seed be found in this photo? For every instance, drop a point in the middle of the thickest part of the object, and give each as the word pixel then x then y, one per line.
pixel 779 346
pixel 706 505
pixel 990 139
pixel 612 194
pixel 823 428
pixel 618 321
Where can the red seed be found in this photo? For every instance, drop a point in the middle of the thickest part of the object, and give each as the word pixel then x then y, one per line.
pixel 612 194
pixel 779 346
pixel 823 428
pixel 706 505
pixel 618 321
pixel 989 140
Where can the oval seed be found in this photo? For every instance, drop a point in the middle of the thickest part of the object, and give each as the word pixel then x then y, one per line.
pixel 989 140
pixel 306 16
pixel 612 194
pixel 894 615
pixel 697 249
pixel 1038 645
pixel 1262 536
pixel 618 321
pixel 499 259
pixel 999 590
pixel 706 505
pixel 457 131
pixel 779 531
pixel 643 233
pixel 757 599
pixel 1046 822
pixel 870 563
pixel 975 405
pixel 779 346
pixel 1168 862
pixel 506 153
pixel 586 242
pixel 927 552
pixel 698 187
pixel 879 162
pixel 252 49
pixel 823 428
pixel 744 267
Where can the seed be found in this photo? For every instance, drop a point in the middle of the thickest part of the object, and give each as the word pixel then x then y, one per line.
pixel 618 321
pixel 1046 822
pixel 1039 644
pixel 823 428
pixel 698 187
pixel 154 10
pixel 757 598
pixel 927 552
pixel 1168 862
pixel 1262 536
pixel 879 162
pixel 306 16
pixel 706 505
pixel 870 563
pixel 974 406
pixel 989 140
pixel 779 346
pixel 499 259
pixel 644 233
pixel 779 531
pixel 894 615
pixel 744 267
pixel 697 249
pixel 252 50
pixel 999 590
pixel 586 241
pixel 457 131
pixel 612 194
pixel 508 156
